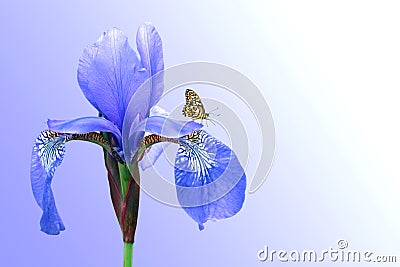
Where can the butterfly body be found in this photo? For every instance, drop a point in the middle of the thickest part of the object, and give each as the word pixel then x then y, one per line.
pixel 194 108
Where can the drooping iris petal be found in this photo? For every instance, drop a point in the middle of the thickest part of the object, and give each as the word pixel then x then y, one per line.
pixel 158 125
pixel 109 73
pixel 210 180
pixel 47 154
pixel 85 125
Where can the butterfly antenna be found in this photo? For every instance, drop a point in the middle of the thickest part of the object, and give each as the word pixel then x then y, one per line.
pixel 211 112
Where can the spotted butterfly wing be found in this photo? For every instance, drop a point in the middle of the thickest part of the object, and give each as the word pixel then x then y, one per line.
pixel 194 108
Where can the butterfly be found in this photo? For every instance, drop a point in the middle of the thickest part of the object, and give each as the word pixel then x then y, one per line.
pixel 194 108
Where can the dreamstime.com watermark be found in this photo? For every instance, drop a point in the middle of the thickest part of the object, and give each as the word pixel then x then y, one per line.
pixel 339 254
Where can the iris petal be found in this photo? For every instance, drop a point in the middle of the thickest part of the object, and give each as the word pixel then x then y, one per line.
pixel 50 223
pixel 210 180
pixel 157 125
pixel 84 125
pixel 109 73
pixel 47 154
pixel 147 95
pixel 152 155
pixel 167 127
pixel 154 152
pixel 149 46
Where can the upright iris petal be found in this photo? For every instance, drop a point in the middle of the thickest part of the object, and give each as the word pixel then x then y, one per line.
pixel 149 46
pixel 109 74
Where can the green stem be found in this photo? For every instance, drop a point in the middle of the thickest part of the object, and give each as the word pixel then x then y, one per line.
pixel 128 249
pixel 124 175
pixel 129 218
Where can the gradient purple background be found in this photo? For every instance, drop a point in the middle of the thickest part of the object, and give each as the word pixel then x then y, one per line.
pixel 329 72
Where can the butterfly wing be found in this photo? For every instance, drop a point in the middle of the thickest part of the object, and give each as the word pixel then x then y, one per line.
pixel 193 108
pixel 187 111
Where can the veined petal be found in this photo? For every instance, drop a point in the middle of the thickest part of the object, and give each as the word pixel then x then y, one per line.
pixel 158 125
pixel 210 180
pixel 149 46
pixel 109 73
pixel 50 222
pixel 85 125
pixel 47 154
pixel 148 94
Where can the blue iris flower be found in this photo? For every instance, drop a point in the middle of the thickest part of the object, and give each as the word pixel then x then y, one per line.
pixel 209 178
